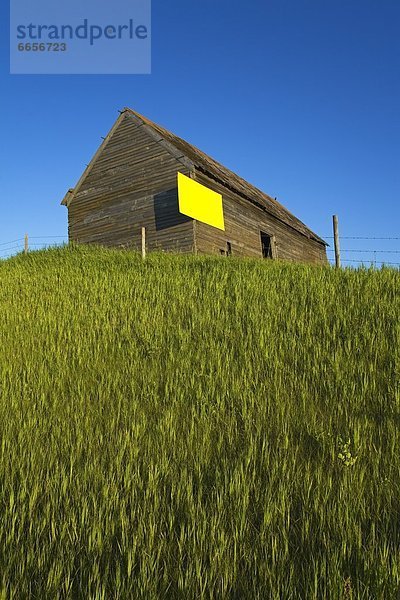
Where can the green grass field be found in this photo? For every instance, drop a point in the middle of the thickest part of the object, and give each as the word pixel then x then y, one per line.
pixel 195 427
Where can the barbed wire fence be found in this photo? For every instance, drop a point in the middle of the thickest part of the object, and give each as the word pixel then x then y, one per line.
pixel 352 256
pixel 367 256
pixel 8 249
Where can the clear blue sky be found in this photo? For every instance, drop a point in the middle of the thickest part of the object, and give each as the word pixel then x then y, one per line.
pixel 300 97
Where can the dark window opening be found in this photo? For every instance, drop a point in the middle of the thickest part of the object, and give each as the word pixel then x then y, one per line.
pixel 228 248
pixel 266 244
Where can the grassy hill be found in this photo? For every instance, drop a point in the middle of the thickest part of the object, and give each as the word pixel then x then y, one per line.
pixel 191 427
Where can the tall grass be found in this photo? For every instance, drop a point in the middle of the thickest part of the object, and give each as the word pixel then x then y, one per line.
pixel 196 427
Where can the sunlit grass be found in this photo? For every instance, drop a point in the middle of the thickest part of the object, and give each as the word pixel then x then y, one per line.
pixel 191 427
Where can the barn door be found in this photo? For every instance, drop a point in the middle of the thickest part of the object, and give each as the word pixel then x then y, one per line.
pixel 266 245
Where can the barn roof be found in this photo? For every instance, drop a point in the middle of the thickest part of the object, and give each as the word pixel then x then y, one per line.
pixel 216 171
pixel 213 169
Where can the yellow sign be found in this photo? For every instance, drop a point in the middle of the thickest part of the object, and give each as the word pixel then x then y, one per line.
pixel 199 202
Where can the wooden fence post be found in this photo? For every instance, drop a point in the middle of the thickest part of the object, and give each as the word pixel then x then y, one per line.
pixel 143 242
pixel 336 240
pixel 26 244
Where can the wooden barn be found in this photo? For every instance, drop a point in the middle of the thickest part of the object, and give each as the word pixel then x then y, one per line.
pixel 133 182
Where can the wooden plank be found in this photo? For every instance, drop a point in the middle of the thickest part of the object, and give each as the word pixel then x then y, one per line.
pixel 336 240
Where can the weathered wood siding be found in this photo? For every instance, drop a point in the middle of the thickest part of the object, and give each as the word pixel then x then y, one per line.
pixel 243 223
pixel 131 184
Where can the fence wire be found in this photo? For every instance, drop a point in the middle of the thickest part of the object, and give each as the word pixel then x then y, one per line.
pixel 330 237
pixel 7 249
pixel 375 256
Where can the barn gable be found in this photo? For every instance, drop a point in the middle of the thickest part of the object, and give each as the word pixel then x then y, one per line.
pixel 131 180
pixel 101 153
